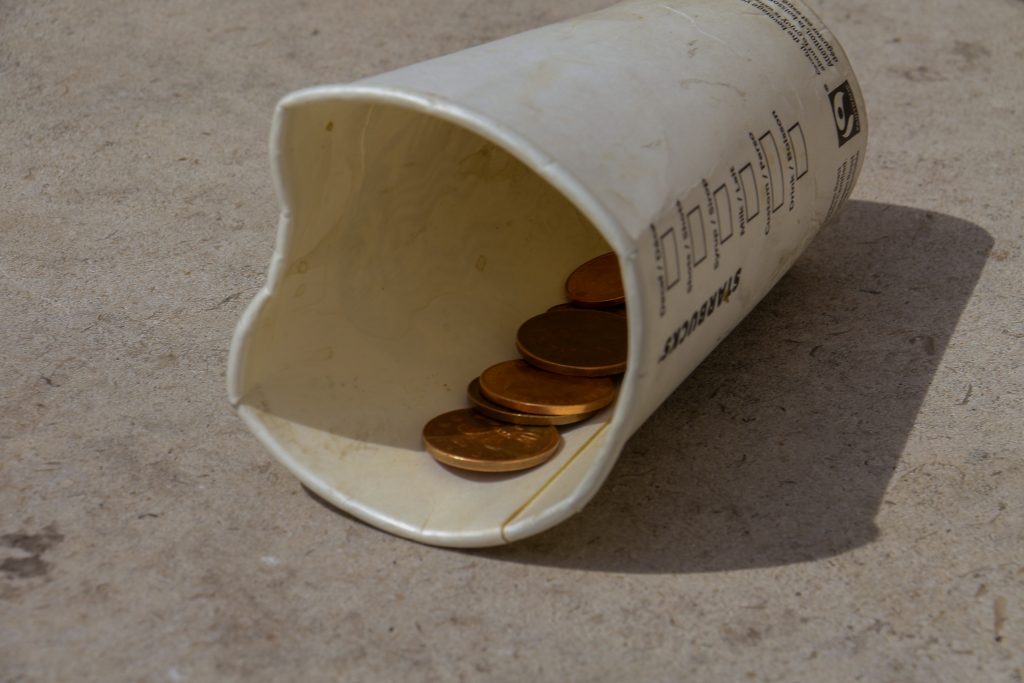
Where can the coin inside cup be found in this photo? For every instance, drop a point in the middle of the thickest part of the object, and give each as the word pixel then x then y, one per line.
pixel 470 441
pixel 597 283
pixel 582 342
pixel 520 386
pixel 569 306
pixel 496 411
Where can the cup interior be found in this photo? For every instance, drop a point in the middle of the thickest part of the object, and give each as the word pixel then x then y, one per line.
pixel 411 251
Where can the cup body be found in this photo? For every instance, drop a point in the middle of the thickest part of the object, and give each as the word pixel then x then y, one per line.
pixel 428 211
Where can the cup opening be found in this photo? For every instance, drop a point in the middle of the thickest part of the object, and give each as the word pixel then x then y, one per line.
pixel 415 248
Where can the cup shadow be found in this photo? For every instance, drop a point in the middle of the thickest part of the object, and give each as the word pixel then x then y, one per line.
pixel 778 449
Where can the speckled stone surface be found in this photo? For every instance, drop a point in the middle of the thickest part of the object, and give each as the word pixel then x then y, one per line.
pixel 834 495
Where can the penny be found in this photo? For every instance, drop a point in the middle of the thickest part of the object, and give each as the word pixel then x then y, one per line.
pixel 518 385
pixel 617 310
pixel 583 342
pixel 470 441
pixel 495 411
pixel 597 283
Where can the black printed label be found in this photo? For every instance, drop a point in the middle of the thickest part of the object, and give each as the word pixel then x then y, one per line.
pixel 844 112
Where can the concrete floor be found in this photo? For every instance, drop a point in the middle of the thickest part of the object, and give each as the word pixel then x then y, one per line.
pixel 834 495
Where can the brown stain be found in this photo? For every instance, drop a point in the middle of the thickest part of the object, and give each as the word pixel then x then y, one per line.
pixel 970 53
pixel 918 74
pixel 33 545
pixel 1000 255
pixel 749 636
pixel 25 567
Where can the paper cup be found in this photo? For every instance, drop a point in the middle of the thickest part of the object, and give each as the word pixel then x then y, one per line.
pixel 428 212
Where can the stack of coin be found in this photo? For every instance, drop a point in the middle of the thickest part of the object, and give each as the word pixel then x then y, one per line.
pixel 571 357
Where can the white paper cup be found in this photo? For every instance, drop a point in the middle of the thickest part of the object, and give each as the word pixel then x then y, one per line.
pixel 428 212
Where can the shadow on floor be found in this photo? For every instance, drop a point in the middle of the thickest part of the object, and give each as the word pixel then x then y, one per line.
pixel 779 448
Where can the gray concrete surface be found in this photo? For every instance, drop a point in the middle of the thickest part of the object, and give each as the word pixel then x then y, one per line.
pixel 834 495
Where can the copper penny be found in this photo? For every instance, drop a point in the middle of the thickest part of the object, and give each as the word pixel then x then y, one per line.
pixel 617 310
pixel 597 283
pixel 518 385
pixel 583 342
pixel 499 412
pixel 470 441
